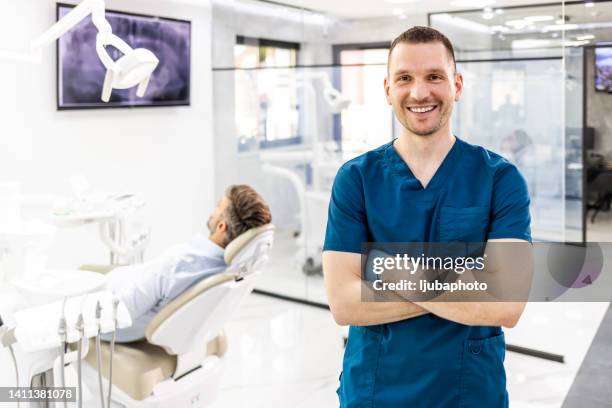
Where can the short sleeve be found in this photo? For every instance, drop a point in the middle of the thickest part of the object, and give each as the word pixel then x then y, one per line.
pixel 510 208
pixel 346 219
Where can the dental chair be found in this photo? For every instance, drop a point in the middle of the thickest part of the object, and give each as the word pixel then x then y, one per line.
pixel 181 361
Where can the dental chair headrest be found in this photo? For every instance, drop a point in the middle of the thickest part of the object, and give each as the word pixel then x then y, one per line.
pixel 242 241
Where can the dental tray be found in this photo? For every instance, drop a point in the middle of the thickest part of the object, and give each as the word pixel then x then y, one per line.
pixel 36 328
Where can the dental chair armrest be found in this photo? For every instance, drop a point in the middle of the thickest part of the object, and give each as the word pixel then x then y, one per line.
pixel 103 269
pixel 217 346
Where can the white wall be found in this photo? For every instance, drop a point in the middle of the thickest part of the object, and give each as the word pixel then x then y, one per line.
pixel 165 153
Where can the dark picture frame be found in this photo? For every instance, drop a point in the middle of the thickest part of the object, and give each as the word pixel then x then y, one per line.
pixel 80 73
pixel 603 83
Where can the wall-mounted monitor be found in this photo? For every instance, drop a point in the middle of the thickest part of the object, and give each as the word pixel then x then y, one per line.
pixel 603 69
pixel 80 73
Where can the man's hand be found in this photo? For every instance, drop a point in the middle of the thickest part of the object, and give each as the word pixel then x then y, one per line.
pixel 351 299
pixel 508 271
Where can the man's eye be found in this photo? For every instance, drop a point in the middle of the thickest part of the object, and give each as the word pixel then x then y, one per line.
pixel 404 78
pixel 435 77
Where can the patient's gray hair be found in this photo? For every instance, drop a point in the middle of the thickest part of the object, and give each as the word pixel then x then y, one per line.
pixel 246 210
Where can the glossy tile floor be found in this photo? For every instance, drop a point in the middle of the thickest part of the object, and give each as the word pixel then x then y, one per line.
pixel 285 354
pixel 281 354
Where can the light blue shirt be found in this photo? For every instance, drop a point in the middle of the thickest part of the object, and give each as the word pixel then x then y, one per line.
pixel 146 288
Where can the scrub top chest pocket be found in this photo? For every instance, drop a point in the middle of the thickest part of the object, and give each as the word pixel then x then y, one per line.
pixel 466 224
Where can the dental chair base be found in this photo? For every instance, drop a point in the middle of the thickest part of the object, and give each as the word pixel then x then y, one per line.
pixel 197 390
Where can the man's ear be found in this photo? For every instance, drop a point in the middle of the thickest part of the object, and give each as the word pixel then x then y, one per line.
pixel 458 86
pixel 222 226
pixel 386 85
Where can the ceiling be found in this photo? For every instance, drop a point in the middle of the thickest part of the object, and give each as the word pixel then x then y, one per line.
pixel 360 9
pixel 539 26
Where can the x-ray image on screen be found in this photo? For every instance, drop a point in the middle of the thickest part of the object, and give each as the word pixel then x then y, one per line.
pixel 81 73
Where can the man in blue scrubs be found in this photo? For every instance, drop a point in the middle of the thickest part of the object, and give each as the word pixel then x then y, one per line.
pixel 425 186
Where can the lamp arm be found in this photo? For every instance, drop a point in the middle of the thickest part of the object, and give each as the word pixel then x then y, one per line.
pixel 70 20
pixel 98 18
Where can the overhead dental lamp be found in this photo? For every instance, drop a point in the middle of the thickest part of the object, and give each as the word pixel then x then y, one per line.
pixel 133 68
pixel 335 100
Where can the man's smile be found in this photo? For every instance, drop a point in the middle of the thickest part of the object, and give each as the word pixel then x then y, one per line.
pixel 422 109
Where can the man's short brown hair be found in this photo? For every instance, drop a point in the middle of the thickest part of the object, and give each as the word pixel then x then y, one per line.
pixel 246 210
pixel 420 35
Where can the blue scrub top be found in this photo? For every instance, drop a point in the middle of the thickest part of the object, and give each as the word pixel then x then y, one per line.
pixel 426 361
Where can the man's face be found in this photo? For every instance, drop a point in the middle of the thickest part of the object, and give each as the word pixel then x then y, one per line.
pixel 216 216
pixel 422 86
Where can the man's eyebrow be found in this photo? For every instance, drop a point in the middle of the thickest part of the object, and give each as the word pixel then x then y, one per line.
pixel 437 71
pixel 401 72
pixel 428 71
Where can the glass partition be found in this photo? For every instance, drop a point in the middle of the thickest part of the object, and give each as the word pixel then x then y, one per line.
pixel 296 178
pixel 287 129
pixel 522 99
pixel 515 108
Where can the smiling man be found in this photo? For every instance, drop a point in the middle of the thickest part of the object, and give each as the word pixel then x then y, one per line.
pixel 425 186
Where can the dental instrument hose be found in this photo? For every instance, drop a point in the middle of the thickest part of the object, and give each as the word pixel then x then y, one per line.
pixel 112 349
pixel 16 370
pixel 62 333
pixel 99 353
pixel 7 339
pixel 80 326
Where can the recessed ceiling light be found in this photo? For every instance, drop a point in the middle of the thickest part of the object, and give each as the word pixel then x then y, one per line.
pixel 585 37
pixel 463 23
pixel 472 3
pixel 488 16
pixel 529 43
pixel 560 27
pixel 518 24
pixel 536 19
pixel 499 11
pixel 589 4
pixel 574 43
pixel 500 28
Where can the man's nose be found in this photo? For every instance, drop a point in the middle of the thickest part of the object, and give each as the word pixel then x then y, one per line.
pixel 419 90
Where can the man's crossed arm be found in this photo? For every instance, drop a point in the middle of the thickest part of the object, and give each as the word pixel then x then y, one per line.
pixel 507 267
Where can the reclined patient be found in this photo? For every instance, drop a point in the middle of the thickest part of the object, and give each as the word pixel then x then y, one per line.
pixel 147 288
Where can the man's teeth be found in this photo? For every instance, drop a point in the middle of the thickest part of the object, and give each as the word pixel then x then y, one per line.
pixel 421 110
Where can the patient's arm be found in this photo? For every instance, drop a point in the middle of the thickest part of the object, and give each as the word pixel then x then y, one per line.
pixel 345 288
pixel 137 286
